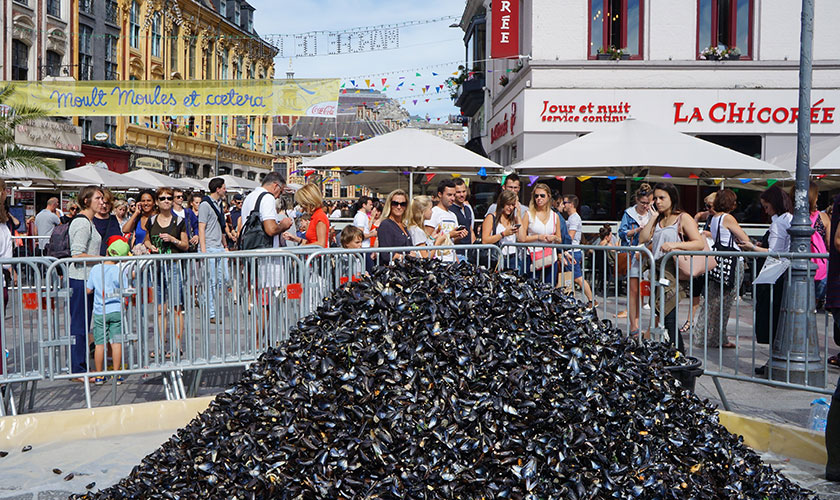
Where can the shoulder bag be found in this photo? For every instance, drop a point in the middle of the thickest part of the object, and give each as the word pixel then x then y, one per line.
pixel 692 266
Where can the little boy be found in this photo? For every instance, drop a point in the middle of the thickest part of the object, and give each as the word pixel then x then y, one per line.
pixel 104 284
pixel 352 237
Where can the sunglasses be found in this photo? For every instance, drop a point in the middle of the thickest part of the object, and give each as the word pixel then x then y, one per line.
pixel 179 197
pixel 399 203
pixel 165 198
pixel 540 195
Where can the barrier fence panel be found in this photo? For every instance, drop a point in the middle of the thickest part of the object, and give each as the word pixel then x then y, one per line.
pixel 22 304
pixel 733 325
pixel 329 268
pixel 616 280
pixel 167 314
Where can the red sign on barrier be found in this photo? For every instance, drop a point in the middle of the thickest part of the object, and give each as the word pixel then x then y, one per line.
pixel 30 301
pixel 343 279
pixel 356 278
pixel 294 290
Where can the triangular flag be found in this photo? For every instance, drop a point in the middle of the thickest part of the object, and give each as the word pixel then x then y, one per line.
pixel 637 179
pixel 467 181
pixel 455 176
pixel 429 177
pixel 353 82
pixel 717 181
pixel 744 181
pixel 401 84
pixel 358 92
pixel 693 176
pixel 415 102
pixel 584 178
pixel 418 74
pixel 357 172
pixel 612 177
pixel 666 175
pixel 427 87
pixel 343 84
pixel 437 89
pixel 454 73
pixel 821 176
pixel 560 177
pixel 427 100
pixel 533 179
pixel 508 70
pixel 383 81
pixel 367 82
pixel 482 172
pixel 770 182
pixel 434 74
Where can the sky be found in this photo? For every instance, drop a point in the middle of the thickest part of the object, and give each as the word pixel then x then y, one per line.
pixel 419 46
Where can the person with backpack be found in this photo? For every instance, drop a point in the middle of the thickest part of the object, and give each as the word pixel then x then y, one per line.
pixel 211 227
pixel 84 241
pixel 258 226
pixel 166 234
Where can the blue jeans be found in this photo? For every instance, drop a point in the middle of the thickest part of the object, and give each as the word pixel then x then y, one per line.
pixel 217 271
pixel 81 312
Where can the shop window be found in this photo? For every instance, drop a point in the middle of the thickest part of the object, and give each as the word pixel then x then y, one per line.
pixel 725 24
pixel 156 35
pixel 20 60
pixel 616 24
pixel 134 26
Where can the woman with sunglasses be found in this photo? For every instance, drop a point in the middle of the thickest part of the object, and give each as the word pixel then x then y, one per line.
pixel 541 225
pixel 166 233
pixel 392 231
pixel 72 211
pixel 633 221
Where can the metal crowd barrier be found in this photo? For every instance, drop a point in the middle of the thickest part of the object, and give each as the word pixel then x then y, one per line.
pixel 759 354
pixel 619 278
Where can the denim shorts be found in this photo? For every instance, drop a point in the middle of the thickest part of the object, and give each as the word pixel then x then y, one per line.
pixel 578 270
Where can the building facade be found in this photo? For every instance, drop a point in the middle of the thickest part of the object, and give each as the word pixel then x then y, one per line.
pixel 177 40
pixel 722 70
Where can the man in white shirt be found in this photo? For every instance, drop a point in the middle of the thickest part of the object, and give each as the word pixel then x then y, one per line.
pixel 362 219
pixel 47 220
pixel 512 183
pixel 575 227
pixel 444 221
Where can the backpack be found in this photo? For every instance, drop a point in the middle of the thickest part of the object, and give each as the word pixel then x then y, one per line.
pixel 59 245
pixel 253 234
pixel 818 246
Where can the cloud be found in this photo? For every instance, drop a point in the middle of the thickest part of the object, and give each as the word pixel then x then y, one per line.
pixel 420 46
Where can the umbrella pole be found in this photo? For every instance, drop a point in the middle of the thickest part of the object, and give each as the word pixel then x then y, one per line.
pixel 410 185
pixel 626 192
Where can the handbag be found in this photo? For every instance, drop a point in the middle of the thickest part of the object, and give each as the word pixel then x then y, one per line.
pixel 692 266
pixel 543 257
pixel 493 258
pixel 724 271
pixel 622 262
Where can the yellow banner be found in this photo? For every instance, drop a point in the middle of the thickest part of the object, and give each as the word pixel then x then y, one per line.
pixel 304 97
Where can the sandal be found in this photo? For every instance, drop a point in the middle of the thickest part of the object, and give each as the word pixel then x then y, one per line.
pixel 729 345
pixel 686 327
pixel 834 361
pixel 634 333
pixel 622 314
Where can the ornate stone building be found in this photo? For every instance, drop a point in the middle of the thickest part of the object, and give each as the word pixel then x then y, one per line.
pixel 34 40
pixel 185 40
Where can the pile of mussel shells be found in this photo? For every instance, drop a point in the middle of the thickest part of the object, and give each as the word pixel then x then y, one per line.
pixel 427 380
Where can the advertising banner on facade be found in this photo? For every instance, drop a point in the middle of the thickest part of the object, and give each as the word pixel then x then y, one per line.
pixel 505 32
pixel 303 97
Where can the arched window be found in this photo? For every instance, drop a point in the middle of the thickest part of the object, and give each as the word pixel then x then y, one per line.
pixel 156 35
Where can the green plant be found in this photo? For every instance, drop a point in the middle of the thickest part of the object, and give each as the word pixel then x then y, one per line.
pixel 503 80
pixel 613 52
pixel 12 155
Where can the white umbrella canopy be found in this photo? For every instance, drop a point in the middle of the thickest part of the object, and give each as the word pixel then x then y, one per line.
pixel 233 183
pixel 825 157
pixel 28 177
pixel 159 180
pixel 405 150
pixel 638 149
pixel 386 181
pixel 99 175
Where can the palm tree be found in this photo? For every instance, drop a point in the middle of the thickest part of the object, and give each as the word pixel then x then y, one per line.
pixel 11 155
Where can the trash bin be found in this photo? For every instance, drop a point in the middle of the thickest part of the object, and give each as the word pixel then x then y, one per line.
pixel 688 373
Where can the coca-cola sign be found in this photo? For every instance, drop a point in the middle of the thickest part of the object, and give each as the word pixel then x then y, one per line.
pixel 329 109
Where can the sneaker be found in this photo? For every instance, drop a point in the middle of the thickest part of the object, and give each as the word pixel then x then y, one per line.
pixel 119 379
pixel 98 380
pixel 213 321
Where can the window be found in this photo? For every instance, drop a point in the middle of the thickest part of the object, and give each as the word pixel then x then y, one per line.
pixel 251 72
pixel 85 53
pixel 111 128
pixel 223 65
pixel 477 45
pixel 86 6
pixel 111 59
pixel 20 60
pixel 87 127
pixel 250 27
pixel 111 10
pixel 173 49
pixel 53 63
pixel 239 69
pixel 134 26
pixel 236 13
pixel 208 62
pixel 617 24
pixel 224 130
pixel 725 24
pixel 54 8
pixel 223 8
pixel 156 35
pixel 191 60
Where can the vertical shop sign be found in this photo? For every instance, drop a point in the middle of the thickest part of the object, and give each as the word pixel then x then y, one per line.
pixel 505 42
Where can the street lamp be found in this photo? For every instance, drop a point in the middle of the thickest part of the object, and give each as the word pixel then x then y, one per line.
pixel 795 355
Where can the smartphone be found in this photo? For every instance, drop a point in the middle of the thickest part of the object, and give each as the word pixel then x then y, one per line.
pixel 517 226
pixel 461 228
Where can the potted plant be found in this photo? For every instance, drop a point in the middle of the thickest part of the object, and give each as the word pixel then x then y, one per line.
pixel 504 80
pixel 613 54
pixel 720 52
pixel 518 67
pixel 732 54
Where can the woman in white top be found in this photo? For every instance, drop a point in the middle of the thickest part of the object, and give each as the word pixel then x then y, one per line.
pixel 777 205
pixel 633 220
pixel 720 297
pixel 671 229
pixel 418 213
pixel 540 225
pixel 6 247
pixel 499 228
